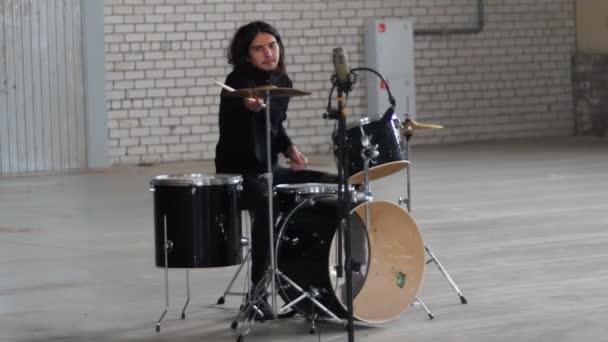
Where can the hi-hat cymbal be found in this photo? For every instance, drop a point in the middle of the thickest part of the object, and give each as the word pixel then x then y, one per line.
pixel 262 91
pixel 409 126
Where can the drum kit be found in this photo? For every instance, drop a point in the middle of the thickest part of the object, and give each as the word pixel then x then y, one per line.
pixel 198 224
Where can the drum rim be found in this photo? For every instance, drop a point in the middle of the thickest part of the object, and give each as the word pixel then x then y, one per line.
pixel 417 236
pixel 314 188
pixel 366 120
pixel 197 179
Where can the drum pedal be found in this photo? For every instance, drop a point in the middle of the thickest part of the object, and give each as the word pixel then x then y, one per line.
pixel 285 286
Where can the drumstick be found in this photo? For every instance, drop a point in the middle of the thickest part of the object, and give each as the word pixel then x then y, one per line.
pixel 231 89
pixel 224 86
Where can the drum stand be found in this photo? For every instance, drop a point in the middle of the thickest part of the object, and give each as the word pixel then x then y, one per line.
pixel 246 261
pixel 168 245
pixel 408 133
pixel 369 152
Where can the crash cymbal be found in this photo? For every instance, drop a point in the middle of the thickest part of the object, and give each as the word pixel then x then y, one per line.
pixel 409 126
pixel 262 91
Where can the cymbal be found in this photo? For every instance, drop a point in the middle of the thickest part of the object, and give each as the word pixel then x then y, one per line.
pixel 409 126
pixel 262 91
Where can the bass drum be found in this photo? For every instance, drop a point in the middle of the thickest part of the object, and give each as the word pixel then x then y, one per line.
pixel 387 254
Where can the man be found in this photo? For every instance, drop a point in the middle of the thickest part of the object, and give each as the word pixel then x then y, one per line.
pixel 257 55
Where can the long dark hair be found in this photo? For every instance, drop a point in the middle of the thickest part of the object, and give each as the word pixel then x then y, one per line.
pixel 238 52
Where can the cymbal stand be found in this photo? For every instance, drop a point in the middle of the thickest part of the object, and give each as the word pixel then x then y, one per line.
pixel 408 133
pixel 251 308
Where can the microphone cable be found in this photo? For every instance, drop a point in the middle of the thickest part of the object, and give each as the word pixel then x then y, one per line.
pixel 391 99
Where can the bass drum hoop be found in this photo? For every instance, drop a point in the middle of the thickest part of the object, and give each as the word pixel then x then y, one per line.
pixel 396 265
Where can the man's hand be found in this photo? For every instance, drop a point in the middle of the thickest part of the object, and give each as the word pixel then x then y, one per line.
pixel 298 161
pixel 254 104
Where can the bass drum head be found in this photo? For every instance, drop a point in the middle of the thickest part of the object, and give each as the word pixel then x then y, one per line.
pixel 393 273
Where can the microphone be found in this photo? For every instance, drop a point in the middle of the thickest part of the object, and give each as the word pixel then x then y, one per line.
pixel 342 70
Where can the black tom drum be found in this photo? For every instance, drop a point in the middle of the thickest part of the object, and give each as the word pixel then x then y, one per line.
pixel 202 217
pixel 384 133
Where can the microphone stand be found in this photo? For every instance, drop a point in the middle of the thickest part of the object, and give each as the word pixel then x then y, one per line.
pixel 344 208
pixel 343 193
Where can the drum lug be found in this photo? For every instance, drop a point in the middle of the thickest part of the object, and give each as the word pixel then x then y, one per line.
pixel 169 245
pixel 219 220
pixel 370 153
pixel 403 200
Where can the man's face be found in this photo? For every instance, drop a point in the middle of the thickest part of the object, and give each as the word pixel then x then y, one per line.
pixel 264 52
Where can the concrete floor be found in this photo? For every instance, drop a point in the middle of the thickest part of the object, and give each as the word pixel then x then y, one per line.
pixel 521 226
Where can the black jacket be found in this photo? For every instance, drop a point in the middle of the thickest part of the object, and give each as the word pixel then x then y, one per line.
pixel 242 142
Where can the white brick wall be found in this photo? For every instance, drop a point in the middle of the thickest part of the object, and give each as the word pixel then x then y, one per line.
pixel 511 80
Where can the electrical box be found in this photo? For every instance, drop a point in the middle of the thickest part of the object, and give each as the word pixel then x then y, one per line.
pixel 389 49
pixel 592 26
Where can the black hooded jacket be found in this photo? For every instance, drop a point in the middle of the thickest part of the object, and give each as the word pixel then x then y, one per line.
pixel 242 143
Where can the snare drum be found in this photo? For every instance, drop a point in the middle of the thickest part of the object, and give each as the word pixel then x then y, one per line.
pixel 290 195
pixel 202 219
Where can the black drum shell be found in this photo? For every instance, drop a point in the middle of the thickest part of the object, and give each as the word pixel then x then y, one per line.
pixel 383 132
pixel 387 258
pixel 304 250
pixel 203 225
